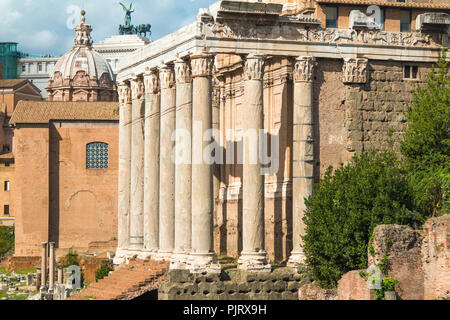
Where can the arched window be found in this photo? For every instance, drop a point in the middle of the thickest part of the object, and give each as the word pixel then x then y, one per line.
pixel 97 155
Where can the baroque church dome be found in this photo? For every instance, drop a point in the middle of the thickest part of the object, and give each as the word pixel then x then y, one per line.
pixel 82 74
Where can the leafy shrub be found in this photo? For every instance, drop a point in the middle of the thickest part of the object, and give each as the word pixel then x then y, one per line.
pixel 71 259
pixel 6 240
pixel 426 143
pixel 351 201
pixel 103 271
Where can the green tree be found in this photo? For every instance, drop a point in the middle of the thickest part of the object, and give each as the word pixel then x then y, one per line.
pixel 426 143
pixel 351 201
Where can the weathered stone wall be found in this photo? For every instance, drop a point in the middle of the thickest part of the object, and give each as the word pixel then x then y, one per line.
pixel 22 263
pixel 402 247
pixel 280 284
pixel 436 257
pixel 418 259
pixel 375 108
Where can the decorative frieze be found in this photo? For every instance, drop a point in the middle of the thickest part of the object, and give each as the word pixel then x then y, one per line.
pixel 137 88
pixel 202 65
pixel 254 67
pixel 304 68
pixel 182 71
pixel 124 93
pixel 166 77
pixel 240 31
pixel 355 70
pixel 151 82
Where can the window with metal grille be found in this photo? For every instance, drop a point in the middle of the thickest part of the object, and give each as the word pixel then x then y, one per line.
pixel 97 155
pixel 6 209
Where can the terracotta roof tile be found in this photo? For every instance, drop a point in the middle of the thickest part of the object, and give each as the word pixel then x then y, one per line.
pixel 390 4
pixel 44 111
pixel 11 83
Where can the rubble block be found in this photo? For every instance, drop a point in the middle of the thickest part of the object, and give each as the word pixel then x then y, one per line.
pixel 402 247
pixel 312 291
pixel 353 287
pixel 234 284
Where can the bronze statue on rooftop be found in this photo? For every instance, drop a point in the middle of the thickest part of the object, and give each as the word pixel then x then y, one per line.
pixel 128 28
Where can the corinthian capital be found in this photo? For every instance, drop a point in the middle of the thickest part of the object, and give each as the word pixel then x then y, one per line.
pixel 304 69
pixel 254 67
pixel 137 88
pixel 202 65
pixel 182 71
pixel 166 77
pixel 151 82
pixel 355 70
pixel 124 93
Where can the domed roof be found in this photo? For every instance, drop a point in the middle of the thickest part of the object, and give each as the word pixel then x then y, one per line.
pixel 83 59
pixel 82 73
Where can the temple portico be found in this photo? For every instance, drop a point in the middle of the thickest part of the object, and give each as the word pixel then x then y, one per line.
pixel 168 198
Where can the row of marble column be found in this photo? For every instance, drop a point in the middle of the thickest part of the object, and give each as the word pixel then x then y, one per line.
pixel 166 207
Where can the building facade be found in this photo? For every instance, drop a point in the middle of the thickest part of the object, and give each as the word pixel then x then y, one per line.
pixel 66 157
pixel 319 92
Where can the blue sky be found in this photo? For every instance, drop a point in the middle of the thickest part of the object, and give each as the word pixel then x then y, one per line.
pixel 41 26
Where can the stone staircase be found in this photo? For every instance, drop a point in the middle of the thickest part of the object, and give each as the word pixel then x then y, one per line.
pixel 128 282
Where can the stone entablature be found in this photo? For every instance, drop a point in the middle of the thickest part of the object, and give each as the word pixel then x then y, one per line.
pixel 239 34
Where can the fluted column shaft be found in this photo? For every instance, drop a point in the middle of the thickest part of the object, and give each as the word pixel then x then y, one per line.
pixel 303 152
pixel 202 254
pixel 183 161
pixel 253 256
pixel 137 165
pixel 151 166
pixel 167 166
pixel 124 172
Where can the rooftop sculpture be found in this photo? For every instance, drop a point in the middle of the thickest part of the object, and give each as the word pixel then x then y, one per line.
pixel 128 28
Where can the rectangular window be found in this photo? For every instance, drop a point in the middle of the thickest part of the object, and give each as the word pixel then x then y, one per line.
pixel 40 66
pixel 97 155
pixel 331 14
pixel 6 148
pixel 383 19
pixel 6 185
pixel 6 209
pixel 24 68
pixel 405 20
pixel 410 72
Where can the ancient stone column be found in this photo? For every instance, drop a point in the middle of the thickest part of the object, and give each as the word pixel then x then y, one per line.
pixel 124 172
pixel 137 166
pixel 303 152
pixel 151 165
pixel 167 166
pixel 60 275
pixel 253 256
pixel 183 167
pixel 202 257
pixel 51 267
pixel 44 266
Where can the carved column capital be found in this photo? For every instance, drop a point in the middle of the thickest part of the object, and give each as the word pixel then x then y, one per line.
pixel 137 88
pixel 151 81
pixel 202 65
pixel 124 91
pixel 254 67
pixel 182 71
pixel 355 70
pixel 166 77
pixel 304 69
